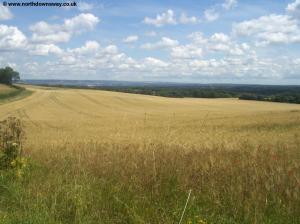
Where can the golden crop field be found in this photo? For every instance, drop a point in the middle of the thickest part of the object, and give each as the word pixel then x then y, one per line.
pixel 61 115
pixel 108 157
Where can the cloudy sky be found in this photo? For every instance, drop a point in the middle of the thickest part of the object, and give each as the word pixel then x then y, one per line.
pixel 223 41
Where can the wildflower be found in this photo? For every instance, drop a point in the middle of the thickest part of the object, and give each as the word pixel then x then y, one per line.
pixel 189 221
pixel 14 144
pixel 13 163
pixel 201 221
pixel 19 173
pixel 23 162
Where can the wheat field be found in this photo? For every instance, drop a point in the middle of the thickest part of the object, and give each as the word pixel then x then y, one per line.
pixel 106 157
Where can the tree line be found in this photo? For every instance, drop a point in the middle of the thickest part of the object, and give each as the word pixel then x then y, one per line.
pixel 287 94
pixel 283 98
pixel 8 75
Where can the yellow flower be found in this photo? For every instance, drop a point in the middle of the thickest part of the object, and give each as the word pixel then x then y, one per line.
pixel 13 163
pixel 23 161
pixel 189 222
pixel 19 173
pixel 201 221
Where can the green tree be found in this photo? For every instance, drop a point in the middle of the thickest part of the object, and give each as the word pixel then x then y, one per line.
pixel 8 75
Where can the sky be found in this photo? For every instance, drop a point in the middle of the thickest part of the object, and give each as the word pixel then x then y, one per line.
pixel 216 41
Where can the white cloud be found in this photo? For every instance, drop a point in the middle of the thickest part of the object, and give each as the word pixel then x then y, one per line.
pixel 166 18
pixel 46 33
pixel 104 60
pixel 82 22
pixel 211 15
pixel 198 38
pixel 44 28
pixel 186 52
pixel 11 38
pixel 131 39
pixel 184 19
pixel 154 62
pixel 169 18
pixel 245 46
pixel 111 49
pixel 5 13
pixel 84 6
pixel 45 49
pixel 294 8
pixel 89 47
pixel 31 67
pixel 219 47
pixel 248 68
pixel 199 64
pixel 89 59
pixel 165 42
pixel 55 33
pixel 186 61
pixel 218 43
pixel 270 29
pixel 220 37
pixel 236 50
pixel 68 60
pixel 229 4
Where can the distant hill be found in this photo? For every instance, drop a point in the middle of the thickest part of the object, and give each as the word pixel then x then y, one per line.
pixel 274 93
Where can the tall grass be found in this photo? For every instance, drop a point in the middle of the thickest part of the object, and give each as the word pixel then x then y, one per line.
pixel 149 183
pixel 14 92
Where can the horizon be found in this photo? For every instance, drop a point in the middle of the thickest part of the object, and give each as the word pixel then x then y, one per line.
pixel 223 41
pixel 160 82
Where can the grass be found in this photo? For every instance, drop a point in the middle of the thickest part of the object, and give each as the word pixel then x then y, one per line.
pixel 104 157
pixel 12 93
pixel 5 88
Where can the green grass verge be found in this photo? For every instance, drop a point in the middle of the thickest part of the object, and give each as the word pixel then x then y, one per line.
pixel 120 184
pixel 17 93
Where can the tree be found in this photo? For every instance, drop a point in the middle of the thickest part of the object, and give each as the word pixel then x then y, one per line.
pixel 8 75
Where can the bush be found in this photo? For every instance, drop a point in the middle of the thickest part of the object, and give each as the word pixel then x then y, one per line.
pixel 11 134
pixel 8 75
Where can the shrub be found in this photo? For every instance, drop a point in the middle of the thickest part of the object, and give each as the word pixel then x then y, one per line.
pixel 11 135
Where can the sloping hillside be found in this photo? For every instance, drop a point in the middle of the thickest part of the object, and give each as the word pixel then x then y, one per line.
pixel 4 89
pixel 108 157
pixel 11 93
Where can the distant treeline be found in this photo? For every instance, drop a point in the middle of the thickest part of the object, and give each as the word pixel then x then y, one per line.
pixel 284 97
pixel 288 94
pixel 176 92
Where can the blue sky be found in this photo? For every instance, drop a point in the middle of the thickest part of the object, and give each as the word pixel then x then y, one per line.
pixel 224 41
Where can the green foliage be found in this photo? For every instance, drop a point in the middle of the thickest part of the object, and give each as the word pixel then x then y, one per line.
pixel 176 92
pixel 11 133
pixel 261 93
pixel 15 93
pixel 283 97
pixel 8 75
